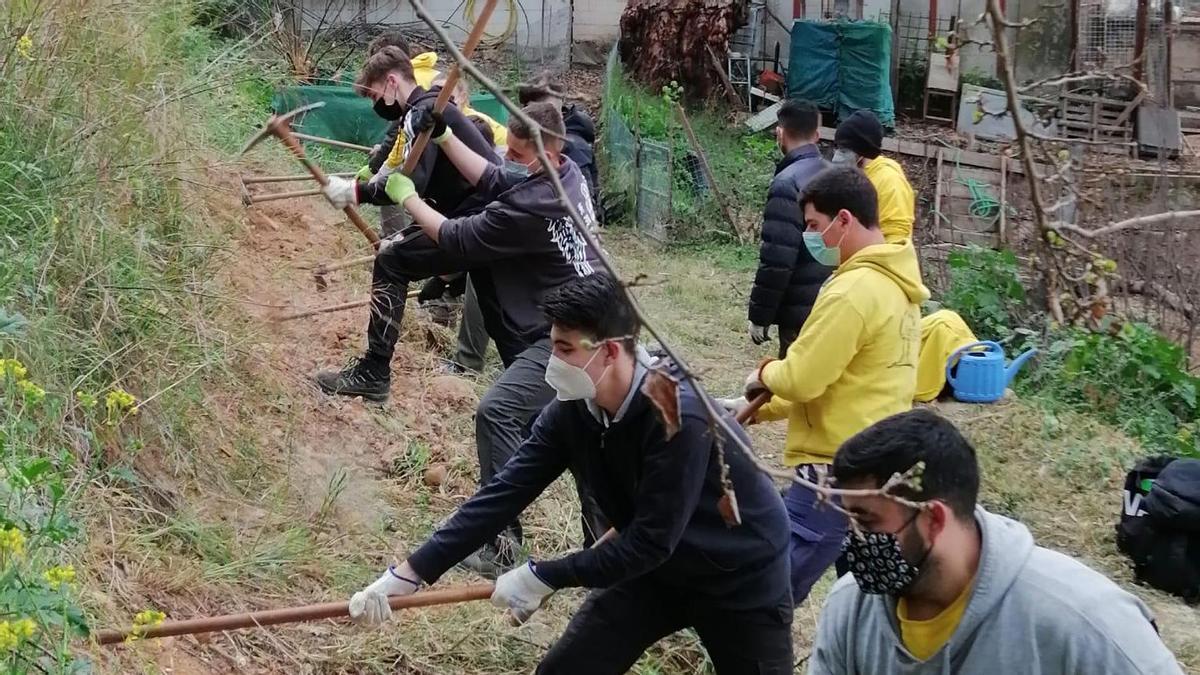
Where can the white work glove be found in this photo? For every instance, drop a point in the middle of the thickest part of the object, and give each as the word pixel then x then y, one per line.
pixel 341 192
pixel 521 592
pixel 735 406
pixel 369 607
pixel 759 334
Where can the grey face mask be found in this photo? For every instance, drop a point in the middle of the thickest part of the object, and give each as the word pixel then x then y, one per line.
pixel 844 157
pixel 515 171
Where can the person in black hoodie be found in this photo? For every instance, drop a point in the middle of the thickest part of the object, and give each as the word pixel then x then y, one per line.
pixel 521 245
pixel 674 563
pixel 787 281
pixel 581 131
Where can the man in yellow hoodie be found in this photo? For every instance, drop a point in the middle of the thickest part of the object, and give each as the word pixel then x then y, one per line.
pixel 854 362
pixel 859 140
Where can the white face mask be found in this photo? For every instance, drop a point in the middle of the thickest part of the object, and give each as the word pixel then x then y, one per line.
pixel 572 382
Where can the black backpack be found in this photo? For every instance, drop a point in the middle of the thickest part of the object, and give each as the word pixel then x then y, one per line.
pixel 1160 524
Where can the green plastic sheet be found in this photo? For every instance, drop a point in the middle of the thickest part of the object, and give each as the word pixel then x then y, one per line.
pixel 843 66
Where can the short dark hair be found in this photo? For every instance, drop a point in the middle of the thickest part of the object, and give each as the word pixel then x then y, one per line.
pixel 596 306
pixel 896 444
pixel 548 117
pixel 540 88
pixel 391 38
pixel 799 118
pixel 839 188
pixel 484 128
pixel 380 64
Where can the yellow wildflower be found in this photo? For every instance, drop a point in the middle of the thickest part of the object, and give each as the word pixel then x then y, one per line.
pixel 8 637
pixel 63 575
pixel 117 402
pixel 88 401
pixel 24 627
pixel 12 541
pixel 12 369
pixel 32 392
pixel 148 617
pixel 25 47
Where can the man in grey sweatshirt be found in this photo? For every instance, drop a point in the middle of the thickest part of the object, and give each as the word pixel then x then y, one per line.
pixel 950 588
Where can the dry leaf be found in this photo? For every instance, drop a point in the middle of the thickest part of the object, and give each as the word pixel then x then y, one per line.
pixel 728 507
pixel 663 392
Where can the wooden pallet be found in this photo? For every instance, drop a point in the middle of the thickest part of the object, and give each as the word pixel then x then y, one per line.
pixel 953 221
pixel 1107 123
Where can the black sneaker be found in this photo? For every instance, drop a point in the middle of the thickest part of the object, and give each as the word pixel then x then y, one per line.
pixel 357 379
pixel 493 559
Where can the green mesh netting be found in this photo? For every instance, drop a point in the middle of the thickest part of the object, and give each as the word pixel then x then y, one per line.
pixel 843 66
pixel 348 117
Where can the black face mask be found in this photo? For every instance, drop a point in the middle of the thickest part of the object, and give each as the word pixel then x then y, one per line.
pixel 878 564
pixel 389 111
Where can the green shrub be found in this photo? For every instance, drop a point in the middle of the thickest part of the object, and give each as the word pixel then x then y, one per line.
pixel 986 290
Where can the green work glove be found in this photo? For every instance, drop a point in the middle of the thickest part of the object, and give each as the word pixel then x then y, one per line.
pixel 399 188
pixel 364 173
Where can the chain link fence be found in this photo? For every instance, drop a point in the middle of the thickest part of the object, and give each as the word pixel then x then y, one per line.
pixel 652 176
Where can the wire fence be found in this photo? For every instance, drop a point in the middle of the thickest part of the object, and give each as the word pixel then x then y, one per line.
pixel 651 176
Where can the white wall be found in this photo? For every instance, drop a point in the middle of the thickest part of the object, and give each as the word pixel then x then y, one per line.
pixel 598 20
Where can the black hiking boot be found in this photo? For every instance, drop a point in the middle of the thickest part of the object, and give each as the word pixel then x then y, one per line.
pixel 493 559
pixel 360 378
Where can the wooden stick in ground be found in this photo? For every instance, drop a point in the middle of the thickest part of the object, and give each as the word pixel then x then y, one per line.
pixel 272 617
pixel 730 92
pixel 708 174
pixel 742 418
pixel 252 180
pixel 330 141
pixel 335 308
pixel 468 48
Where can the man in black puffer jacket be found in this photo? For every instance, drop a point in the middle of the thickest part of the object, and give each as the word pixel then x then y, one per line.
pixel 787 281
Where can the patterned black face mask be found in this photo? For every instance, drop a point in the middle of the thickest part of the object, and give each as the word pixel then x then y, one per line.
pixel 877 563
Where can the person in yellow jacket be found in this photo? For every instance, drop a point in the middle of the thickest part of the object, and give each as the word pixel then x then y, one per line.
pixel 854 362
pixel 859 141
pixel 942 334
pixel 462 98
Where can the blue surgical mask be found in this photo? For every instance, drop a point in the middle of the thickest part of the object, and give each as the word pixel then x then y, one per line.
pixel 829 256
pixel 515 172
pixel 844 157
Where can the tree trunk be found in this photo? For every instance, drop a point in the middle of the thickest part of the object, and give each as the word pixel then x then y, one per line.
pixel 665 40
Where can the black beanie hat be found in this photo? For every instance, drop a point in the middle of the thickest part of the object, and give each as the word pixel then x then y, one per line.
pixel 862 133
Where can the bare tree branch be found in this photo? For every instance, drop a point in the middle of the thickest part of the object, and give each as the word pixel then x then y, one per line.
pixel 1140 221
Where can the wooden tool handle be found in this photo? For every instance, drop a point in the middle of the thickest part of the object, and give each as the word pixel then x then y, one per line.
pixel 468 48
pixel 748 414
pixel 285 134
pixel 271 617
pixel 336 144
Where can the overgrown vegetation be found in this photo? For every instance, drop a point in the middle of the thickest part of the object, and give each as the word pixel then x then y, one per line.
pixel 106 256
pixel 1126 373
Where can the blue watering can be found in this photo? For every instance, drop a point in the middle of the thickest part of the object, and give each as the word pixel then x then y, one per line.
pixel 982 376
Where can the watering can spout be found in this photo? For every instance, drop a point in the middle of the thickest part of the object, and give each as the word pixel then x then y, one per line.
pixel 1016 364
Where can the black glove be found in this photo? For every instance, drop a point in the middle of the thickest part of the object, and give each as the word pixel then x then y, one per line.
pixel 457 286
pixel 432 290
pixel 424 118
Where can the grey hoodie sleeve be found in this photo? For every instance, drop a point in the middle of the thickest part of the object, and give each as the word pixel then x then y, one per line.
pixel 830 652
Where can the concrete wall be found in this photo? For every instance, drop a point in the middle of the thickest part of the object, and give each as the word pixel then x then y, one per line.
pixel 1185 63
pixel 598 20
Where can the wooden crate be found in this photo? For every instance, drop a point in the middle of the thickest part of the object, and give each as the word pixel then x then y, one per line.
pixel 1106 123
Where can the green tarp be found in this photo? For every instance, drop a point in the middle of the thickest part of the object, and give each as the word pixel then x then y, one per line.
pixel 843 66
pixel 348 117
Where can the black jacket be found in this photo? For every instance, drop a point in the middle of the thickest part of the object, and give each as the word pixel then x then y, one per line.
pixel 527 241
pixel 661 496
pixel 788 279
pixel 436 179
pixel 581 141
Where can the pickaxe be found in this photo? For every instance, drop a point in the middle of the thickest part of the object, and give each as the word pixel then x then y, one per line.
pixel 280 126
pixel 251 199
pixel 253 180
pixel 330 141
pixel 303 314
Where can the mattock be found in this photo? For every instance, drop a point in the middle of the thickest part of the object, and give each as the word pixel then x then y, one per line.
pixel 280 126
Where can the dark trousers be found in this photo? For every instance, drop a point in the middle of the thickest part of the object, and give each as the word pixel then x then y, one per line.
pixel 505 416
pixel 787 335
pixel 817 533
pixel 410 258
pixel 472 333
pixel 614 626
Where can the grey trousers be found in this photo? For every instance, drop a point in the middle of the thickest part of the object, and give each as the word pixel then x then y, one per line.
pixel 392 219
pixel 472 334
pixel 504 418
